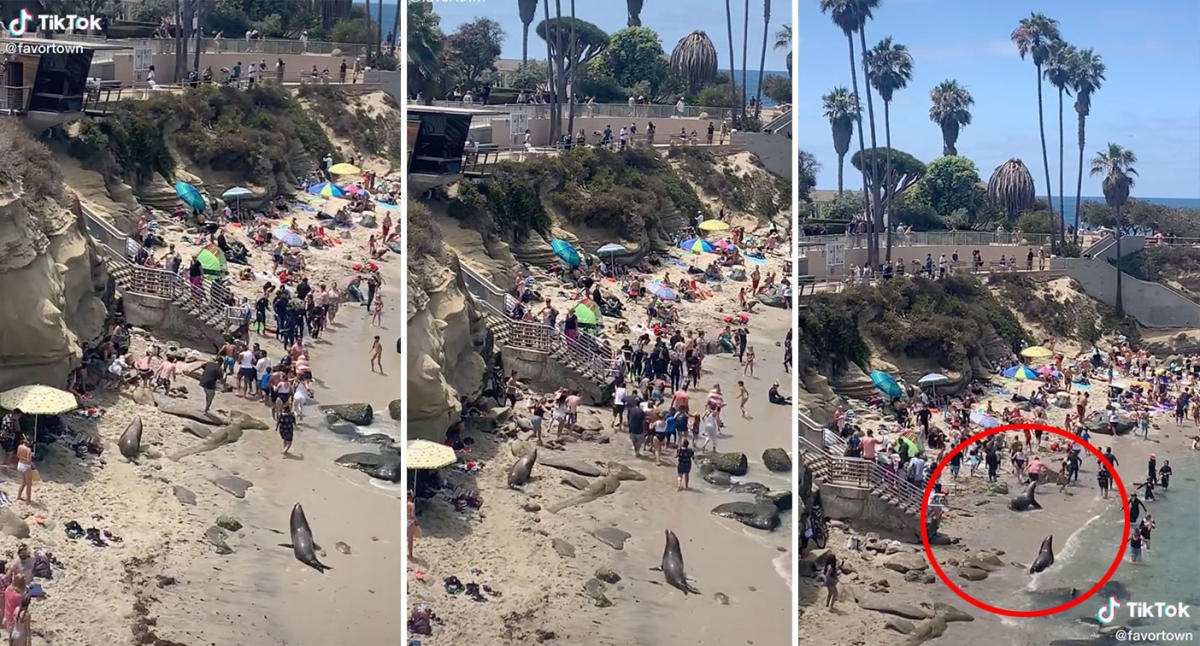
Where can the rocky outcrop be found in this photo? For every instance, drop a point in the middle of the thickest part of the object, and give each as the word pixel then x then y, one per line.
pixel 443 336
pixel 50 273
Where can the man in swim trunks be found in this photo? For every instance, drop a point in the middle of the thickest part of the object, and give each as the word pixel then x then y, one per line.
pixel 210 374
pixel 247 375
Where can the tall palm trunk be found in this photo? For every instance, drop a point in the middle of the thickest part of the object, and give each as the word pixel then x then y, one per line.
pixel 554 126
pixel 1079 178
pixel 396 33
pixel 368 3
pixel 841 167
pixel 379 40
pixel 571 80
pixel 1062 209
pixel 876 210
pixel 1045 158
pixel 762 59
pixel 199 35
pixel 560 88
pixel 887 170
pixel 524 43
pixel 872 240
pixel 1120 304
pixel 729 30
pixel 745 45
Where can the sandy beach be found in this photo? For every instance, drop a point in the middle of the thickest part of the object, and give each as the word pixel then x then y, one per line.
pixel 540 561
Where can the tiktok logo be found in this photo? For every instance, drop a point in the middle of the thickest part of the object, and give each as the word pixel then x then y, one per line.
pixel 1107 613
pixel 19 25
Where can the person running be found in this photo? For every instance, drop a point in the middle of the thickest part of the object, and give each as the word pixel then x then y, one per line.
pixel 1152 470
pixel 1135 507
pixel 1135 547
pixel 210 374
pixel 376 355
pixel 683 459
pixel 618 408
pixel 660 435
pixel 1164 474
pixel 715 402
pixel 743 397
pixel 637 424
pixel 1144 529
pixel 285 424
pixel 1103 478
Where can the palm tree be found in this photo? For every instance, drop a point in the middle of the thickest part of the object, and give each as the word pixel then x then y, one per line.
pixel 745 47
pixel 1058 72
pixel 395 32
pixel 951 111
pixel 555 126
pixel 783 40
pixel 889 68
pixel 842 109
pixel 572 77
pixel 1087 72
pixel 527 9
pixel 762 59
pixel 1116 165
pixel 729 31
pixel 1011 186
pixel 635 10
pixel 379 39
pixel 1035 36
pixel 865 8
pixel 425 43
pixel 695 59
pixel 849 15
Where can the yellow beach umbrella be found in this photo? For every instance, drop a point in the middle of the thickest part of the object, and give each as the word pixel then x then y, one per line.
pixel 1037 352
pixel 38 400
pixel 345 169
pixel 423 454
pixel 713 225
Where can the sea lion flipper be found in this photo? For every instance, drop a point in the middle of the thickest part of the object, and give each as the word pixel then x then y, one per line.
pixel 287 545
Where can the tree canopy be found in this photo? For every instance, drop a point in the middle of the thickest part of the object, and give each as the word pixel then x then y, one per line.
pixel 906 169
pixel 633 55
pixel 951 183
pixel 473 49
pixel 590 40
pixel 778 89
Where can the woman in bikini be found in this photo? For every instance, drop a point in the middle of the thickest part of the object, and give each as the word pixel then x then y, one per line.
pixel 414 527
pixel 25 469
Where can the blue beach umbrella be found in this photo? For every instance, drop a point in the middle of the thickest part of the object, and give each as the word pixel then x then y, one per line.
pixel 190 196
pixel 697 245
pixel 662 291
pixel 884 382
pixel 1020 373
pixel 288 237
pixel 386 206
pixel 326 189
pixel 565 252
pixel 236 193
pixel 981 418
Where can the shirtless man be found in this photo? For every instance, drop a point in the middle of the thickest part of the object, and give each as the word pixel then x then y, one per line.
pixel 165 375
pixel 377 355
pixel 573 401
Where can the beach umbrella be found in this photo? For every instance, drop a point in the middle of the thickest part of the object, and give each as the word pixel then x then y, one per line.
pixel 345 169
pixel 355 189
pixel 212 259
pixel 662 291
pixel 288 237
pixel 37 400
pixel 423 454
pixel 753 259
pixel 386 206
pixel 565 251
pixel 980 418
pixel 236 193
pixel 587 313
pixel 713 225
pixel 697 245
pixel 1037 352
pixel 884 382
pixel 933 379
pixel 326 190
pixel 190 196
pixel 725 244
pixel 1020 373
pixel 612 249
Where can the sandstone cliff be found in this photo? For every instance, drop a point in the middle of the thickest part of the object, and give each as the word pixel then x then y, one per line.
pixel 50 274
pixel 442 346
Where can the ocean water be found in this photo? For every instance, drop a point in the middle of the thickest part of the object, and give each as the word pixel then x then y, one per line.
pixel 752 82
pixel 1167 572
pixel 1176 202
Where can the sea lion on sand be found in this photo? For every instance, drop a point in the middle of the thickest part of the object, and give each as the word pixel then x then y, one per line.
pixel 596 488
pixel 672 565
pixel 1025 500
pixel 131 440
pixel 518 474
pixel 1045 557
pixel 302 541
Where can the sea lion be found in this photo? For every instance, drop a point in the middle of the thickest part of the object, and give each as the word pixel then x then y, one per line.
pixel 1025 500
pixel 1045 557
pixel 595 489
pixel 518 474
pixel 672 565
pixel 131 440
pixel 302 541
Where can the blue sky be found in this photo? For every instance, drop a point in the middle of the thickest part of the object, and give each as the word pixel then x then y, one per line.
pixel 672 19
pixel 1149 103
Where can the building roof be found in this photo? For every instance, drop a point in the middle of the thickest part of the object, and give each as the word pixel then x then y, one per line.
pixel 96 45
pixel 436 109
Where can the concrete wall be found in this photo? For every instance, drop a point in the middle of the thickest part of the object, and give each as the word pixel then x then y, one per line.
pixel 990 253
pixel 546 374
pixel 167 319
pixel 1152 304
pixel 774 151
pixel 858 505
pixel 539 129
pixel 164 65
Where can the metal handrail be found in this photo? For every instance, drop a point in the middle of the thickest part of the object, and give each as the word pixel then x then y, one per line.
pixel 14 98
pixel 235 45
pixel 862 473
pixel 603 110
pixel 932 238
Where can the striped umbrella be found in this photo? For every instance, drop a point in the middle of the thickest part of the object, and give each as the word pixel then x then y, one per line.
pixel 327 190
pixel 190 196
pixel 1020 373
pixel 565 251
pixel 697 245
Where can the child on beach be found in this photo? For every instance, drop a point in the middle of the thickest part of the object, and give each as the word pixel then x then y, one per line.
pixel 748 368
pixel 285 424
pixel 683 458
pixel 743 397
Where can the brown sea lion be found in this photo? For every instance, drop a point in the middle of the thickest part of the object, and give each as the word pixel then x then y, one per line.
pixel 131 440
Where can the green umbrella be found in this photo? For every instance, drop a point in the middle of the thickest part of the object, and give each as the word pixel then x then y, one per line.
pixel 585 313
pixel 212 259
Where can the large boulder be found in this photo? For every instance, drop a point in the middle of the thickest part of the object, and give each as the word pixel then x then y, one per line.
pixel 360 414
pixel 777 460
pixel 734 464
pixel 395 409
pixel 757 515
pixel 781 499
pixel 384 466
